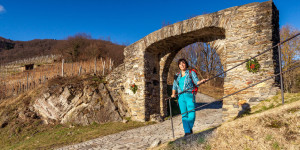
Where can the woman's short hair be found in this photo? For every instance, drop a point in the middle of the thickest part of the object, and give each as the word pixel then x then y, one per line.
pixel 184 61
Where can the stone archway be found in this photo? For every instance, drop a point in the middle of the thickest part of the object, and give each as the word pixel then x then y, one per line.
pixel 239 32
pixel 158 58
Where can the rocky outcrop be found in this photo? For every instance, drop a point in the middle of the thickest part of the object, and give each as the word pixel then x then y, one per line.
pixel 80 106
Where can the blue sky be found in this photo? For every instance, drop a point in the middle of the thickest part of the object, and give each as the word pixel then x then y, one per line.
pixel 124 21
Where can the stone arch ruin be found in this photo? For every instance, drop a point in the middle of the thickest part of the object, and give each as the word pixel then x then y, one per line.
pixel 238 32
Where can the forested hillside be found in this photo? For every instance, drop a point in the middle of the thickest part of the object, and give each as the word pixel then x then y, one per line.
pixel 74 48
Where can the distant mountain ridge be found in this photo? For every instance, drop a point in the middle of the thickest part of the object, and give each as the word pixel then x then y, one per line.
pixel 15 50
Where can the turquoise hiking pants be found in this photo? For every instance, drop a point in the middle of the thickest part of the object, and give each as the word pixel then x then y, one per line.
pixel 186 103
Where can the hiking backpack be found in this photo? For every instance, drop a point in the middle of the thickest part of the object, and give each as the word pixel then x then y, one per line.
pixel 195 90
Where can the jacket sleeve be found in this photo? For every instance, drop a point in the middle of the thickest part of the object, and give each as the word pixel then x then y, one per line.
pixel 194 77
pixel 175 86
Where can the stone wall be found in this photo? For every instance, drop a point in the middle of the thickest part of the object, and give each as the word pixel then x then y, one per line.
pixel 116 89
pixel 239 32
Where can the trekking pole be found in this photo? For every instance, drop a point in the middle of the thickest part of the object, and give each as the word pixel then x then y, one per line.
pixel 171 118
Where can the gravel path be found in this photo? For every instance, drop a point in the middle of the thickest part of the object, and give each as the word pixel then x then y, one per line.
pixel 144 137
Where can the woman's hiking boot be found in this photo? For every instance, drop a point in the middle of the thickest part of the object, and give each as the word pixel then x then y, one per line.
pixel 187 134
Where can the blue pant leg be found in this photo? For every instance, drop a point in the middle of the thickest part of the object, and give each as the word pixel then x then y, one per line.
pixel 190 103
pixel 183 108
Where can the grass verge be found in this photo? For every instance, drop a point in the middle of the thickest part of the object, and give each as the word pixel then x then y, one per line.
pixel 53 136
pixel 275 101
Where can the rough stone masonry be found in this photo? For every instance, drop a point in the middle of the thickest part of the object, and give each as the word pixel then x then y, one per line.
pixel 237 32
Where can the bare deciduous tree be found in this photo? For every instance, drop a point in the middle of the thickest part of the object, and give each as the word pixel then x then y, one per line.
pixel 201 57
pixel 290 54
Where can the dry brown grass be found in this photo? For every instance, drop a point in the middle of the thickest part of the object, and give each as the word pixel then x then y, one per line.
pixel 270 126
pixel 278 128
pixel 212 91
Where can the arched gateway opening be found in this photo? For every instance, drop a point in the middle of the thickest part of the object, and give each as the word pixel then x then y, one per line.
pixel 204 59
pixel 239 32
pixel 158 58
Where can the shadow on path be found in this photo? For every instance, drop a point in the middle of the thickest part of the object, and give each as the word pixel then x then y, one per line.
pixel 213 105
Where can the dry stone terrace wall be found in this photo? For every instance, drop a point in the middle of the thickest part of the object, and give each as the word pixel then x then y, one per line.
pixel 238 33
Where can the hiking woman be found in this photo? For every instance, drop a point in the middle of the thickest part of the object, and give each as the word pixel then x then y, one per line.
pixel 185 81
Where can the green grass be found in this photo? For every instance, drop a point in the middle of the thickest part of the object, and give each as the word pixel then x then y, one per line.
pixel 269 137
pixel 201 140
pixel 275 101
pixel 276 146
pixel 207 147
pixel 47 137
pixel 98 79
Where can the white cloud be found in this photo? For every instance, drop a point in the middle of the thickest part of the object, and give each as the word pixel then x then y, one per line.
pixel 2 9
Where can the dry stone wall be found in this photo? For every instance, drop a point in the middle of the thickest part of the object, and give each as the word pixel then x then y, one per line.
pixel 239 32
